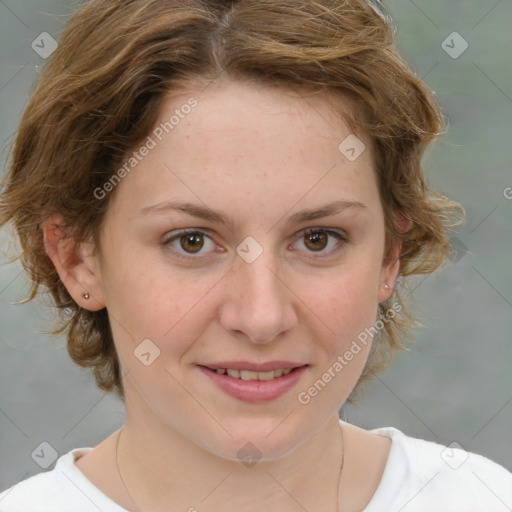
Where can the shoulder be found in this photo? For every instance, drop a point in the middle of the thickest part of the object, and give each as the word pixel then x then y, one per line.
pixel 422 474
pixel 36 489
pixel 59 490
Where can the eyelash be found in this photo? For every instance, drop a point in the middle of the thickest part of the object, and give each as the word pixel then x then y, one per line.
pixel 342 238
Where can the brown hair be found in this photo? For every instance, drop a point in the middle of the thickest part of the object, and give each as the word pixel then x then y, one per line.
pixel 99 95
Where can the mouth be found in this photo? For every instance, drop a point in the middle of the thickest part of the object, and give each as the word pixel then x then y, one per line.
pixel 250 383
pixel 249 375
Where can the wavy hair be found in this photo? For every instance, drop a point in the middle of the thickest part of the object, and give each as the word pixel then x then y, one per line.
pixel 99 95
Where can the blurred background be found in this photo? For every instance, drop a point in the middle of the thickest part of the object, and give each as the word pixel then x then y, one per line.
pixel 455 383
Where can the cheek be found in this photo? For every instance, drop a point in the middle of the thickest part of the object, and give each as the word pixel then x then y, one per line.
pixel 347 307
pixel 346 300
pixel 150 302
pixel 171 314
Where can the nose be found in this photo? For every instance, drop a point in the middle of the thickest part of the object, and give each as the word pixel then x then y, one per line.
pixel 258 302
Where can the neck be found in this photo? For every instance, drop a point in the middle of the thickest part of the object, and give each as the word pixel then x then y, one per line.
pixel 166 468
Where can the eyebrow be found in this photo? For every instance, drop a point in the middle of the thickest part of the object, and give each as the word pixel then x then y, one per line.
pixel 205 213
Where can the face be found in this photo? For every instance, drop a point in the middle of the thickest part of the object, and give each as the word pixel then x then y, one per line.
pixel 257 279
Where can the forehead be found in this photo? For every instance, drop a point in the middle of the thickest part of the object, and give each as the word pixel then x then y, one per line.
pixel 238 140
pixel 225 104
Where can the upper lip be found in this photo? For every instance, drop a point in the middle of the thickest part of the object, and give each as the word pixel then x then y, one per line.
pixel 253 367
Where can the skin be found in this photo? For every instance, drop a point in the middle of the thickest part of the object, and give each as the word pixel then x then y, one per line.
pixel 259 155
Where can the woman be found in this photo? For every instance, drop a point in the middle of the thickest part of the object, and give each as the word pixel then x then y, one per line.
pixel 233 192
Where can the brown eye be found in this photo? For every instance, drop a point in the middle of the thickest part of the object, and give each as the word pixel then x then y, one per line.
pixel 316 241
pixel 192 242
pixel 189 244
pixel 324 242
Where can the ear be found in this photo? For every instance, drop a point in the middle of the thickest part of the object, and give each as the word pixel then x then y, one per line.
pixel 389 272
pixel 391 262
pixel 76 265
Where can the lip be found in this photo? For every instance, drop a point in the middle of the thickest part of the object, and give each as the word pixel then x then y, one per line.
pixel 253 367
pixel 255 390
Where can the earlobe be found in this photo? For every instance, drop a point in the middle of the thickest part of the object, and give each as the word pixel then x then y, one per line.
pixel 389 274
pixel 75 266
pixel 391 264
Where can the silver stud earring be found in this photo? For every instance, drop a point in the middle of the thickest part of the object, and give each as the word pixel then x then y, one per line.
pixel 85 295
pixel 386 286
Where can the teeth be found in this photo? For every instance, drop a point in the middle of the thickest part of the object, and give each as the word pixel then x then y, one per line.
pixel 249 375
pixel 265 375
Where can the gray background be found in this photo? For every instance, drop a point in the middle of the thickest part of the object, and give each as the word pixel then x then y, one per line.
pixel 455 382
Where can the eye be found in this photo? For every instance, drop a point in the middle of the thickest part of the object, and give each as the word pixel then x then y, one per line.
pixel 188 241
pixel 317 239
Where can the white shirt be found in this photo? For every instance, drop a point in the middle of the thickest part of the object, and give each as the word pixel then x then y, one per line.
pixel 420 476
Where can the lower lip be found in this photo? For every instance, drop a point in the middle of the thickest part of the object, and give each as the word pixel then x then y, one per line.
pixel 255 390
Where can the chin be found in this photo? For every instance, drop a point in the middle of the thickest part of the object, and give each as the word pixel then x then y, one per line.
pixel 249 444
